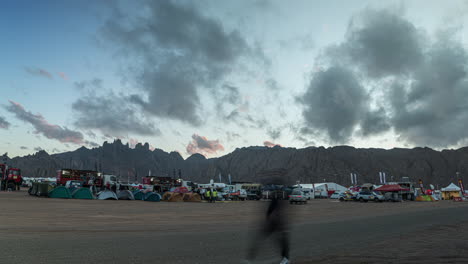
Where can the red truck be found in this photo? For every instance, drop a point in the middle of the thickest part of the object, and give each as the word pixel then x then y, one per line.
pixel 84 176
pixel 10 178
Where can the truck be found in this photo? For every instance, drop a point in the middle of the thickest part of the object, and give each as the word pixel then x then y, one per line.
pixel 161 184
pixel 10 178
pixel 87 177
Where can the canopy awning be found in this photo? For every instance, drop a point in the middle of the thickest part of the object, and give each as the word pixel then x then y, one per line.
pixel 391 188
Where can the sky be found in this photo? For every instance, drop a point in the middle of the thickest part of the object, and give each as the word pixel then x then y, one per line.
pixel 211 76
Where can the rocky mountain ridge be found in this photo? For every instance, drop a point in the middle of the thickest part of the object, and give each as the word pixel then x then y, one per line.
pixel 312 164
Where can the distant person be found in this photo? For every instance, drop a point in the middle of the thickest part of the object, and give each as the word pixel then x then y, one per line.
pixel 214 195
pixel 207 195
pixel 275 225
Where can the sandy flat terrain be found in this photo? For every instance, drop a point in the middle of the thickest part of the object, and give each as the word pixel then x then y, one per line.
pixel 43 230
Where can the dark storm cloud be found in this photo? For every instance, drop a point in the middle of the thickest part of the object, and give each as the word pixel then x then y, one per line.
pixel 39 72
pixel 43 127
pixel 421 83
pixel 178 51
pixel 112 115
pixel 374 122
pixel 384 43
pixel 433 108
pixel 3 123
pixel 334 102
pixel 227 97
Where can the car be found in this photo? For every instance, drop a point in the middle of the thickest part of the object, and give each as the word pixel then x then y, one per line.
pixel 365 196
pixel 297 196
pixel 336 195
pixel 73 184
pixel 344 197
pixel 378 197
pixel 308 193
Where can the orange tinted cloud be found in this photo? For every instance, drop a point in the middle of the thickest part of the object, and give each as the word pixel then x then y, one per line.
pixel 202 145
pixel 63 76
pixel 270 144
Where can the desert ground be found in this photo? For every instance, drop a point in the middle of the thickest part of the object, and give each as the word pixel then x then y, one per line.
pixel 43 230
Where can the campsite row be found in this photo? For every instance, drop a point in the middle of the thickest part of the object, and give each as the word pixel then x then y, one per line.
pixel 85 184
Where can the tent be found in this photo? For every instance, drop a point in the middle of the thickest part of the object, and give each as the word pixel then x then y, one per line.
pixel 107 195
pixel 451 188
pixel 125 195
pixel 138 195
pixel 391 188
pixel 60 192
pixel 450 192
pixel 82 193
pixel 331 186
pixel 152 197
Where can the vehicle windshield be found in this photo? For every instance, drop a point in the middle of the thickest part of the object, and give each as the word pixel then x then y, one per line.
pixel 297 193
pixel 15 172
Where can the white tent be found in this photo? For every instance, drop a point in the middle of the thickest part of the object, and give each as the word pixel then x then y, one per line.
pixel 331 186
pixel 451 188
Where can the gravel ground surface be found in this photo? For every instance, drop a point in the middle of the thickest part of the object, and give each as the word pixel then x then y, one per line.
pixel 42 230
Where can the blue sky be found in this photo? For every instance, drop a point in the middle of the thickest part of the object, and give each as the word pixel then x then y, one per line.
pixel 265 86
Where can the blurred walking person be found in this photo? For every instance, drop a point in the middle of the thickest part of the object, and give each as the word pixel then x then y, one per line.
pixel 275 226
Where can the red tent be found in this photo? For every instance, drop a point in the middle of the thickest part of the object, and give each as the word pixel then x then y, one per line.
pixel 391 188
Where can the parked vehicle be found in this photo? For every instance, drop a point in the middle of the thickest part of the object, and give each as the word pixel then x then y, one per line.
pixel 308 193
pixel 344 197
pixel 336 195
pixel 74 184
pixel 297 196
pixel 85 176
pixel 378 197
pixel 365 196
pixel 10 178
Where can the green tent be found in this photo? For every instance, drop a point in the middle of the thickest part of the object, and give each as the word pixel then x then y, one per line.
pixel 139 195
pixel 60 192
pixel 82 193
pixel 152 197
